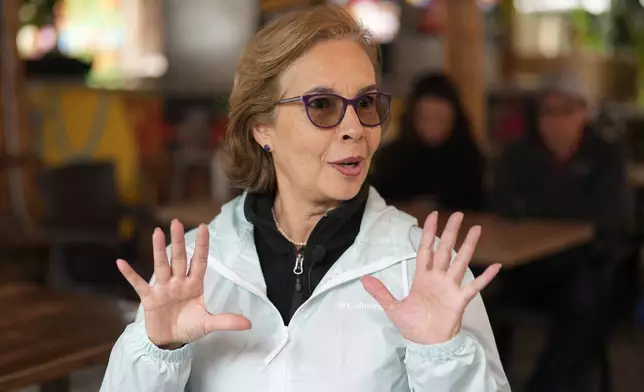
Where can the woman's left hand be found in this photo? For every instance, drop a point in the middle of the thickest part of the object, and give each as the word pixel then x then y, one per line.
pixel 433 311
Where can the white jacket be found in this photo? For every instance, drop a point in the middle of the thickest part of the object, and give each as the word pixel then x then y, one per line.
pixel 339 340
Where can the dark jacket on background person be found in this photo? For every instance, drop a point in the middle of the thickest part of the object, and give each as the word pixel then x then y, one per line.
pixel 590 187
pixel 451 173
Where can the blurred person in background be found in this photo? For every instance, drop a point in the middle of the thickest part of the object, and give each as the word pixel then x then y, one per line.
pixel 563 169
pixel 308 281
pixel 435 157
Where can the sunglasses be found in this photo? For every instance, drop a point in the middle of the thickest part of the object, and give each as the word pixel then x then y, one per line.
pixel 328 110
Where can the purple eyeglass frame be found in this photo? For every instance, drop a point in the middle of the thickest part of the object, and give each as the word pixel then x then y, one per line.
pixel 305 99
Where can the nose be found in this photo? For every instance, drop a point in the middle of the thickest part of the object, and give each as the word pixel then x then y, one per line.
pixel 351 128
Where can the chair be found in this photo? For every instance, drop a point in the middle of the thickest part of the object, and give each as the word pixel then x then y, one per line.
pixel 82 223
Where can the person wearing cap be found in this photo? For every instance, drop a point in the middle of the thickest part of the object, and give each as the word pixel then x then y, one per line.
pixel 563 169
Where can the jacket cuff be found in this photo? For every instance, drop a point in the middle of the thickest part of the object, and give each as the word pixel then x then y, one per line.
pixel 140 340
pixel 459 345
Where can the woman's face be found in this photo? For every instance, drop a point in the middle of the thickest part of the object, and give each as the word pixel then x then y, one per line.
pixel 306 156
pixel 433 120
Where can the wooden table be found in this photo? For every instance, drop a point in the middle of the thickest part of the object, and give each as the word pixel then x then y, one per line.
pixel 45 336
pixel 189 213
pixel 513 243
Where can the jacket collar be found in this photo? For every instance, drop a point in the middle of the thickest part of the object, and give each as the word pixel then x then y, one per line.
pixel 332 232
pixel 384 239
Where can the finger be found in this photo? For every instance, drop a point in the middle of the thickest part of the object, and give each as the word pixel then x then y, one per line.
pixel 379 292
pixel 136 281
pixel 161 265
pixel 443 255
pixel 226 322
pixel 464 255
pixel 478 284
pixel 426 248
pixel 179 259
pixel 200 257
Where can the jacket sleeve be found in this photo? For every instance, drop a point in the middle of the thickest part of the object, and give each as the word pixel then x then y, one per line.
pixel 469 362
pixel 138 365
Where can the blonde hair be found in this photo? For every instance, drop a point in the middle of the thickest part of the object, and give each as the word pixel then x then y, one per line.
pixel 256 87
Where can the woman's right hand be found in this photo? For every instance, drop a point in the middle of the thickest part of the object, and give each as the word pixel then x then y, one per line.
pixel 175 313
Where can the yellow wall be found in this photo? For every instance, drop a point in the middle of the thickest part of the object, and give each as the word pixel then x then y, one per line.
pixel 78 110
pixel 71 112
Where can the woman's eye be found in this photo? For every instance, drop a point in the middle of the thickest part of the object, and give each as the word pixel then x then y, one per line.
pixel 319 103
pixel 365 101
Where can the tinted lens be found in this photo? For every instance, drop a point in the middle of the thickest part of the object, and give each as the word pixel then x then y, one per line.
pixel 325 110
pixel 372 108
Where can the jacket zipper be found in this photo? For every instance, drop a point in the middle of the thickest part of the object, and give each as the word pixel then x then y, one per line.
pixel 299 269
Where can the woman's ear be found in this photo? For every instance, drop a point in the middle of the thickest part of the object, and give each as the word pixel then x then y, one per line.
pixel 262 135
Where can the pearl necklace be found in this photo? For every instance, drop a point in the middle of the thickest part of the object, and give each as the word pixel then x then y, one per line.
pixel 279 228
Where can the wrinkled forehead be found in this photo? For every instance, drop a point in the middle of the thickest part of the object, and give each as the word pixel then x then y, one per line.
pixel 338 66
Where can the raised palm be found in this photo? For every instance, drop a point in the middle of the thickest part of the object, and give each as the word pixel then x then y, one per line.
pixel 433 310
pixel 173 305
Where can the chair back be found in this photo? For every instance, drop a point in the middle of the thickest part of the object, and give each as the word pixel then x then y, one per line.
pixel 80 196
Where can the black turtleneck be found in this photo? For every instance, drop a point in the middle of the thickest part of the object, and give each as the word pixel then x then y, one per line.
pixel 330 238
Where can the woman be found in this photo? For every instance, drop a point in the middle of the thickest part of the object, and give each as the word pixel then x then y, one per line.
pixel 435 133
pixel 307 282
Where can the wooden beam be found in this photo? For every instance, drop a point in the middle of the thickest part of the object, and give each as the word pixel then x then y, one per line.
pixel 4 30
pixel 508 56
pixel 16 177
pixel 464 61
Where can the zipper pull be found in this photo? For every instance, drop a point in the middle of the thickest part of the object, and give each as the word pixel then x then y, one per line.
pixel 298 269
pixel 299 263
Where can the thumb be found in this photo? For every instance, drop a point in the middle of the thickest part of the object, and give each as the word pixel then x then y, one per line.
pixel 226 322
pixel 378 291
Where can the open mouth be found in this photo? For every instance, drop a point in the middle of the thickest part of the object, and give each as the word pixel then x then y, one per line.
pixel 349 166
